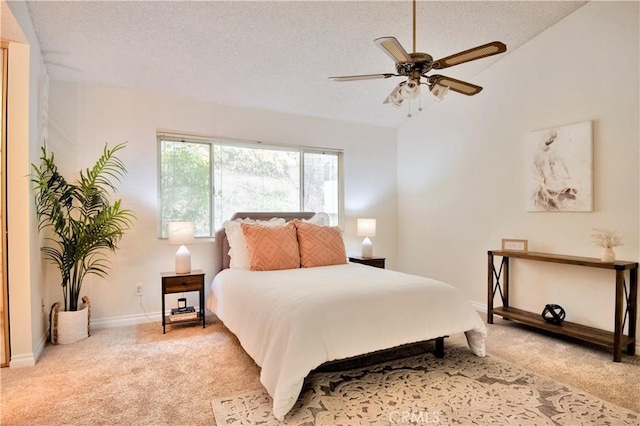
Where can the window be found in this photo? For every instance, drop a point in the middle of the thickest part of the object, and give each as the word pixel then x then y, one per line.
pixel 207 180
pixel 185 185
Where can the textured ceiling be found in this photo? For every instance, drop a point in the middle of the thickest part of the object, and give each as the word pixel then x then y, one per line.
pixel 271 55
pixel 9 28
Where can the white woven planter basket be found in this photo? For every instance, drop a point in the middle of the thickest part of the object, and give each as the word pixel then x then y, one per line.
pixel 70 326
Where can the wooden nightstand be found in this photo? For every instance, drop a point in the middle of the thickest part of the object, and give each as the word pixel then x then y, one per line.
pixel 178 283
pixel 377 262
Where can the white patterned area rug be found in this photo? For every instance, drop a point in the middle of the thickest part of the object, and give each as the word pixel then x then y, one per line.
pixel 460 389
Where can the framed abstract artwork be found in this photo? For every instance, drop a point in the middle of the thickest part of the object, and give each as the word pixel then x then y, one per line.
pixel 559 169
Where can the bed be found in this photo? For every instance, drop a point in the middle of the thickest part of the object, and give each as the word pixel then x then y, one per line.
pixel 293 321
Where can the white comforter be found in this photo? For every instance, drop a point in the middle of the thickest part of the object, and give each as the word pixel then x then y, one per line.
pixel 292 321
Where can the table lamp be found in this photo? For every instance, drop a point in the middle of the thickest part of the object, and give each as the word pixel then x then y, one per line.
pixel 366 229
pixel 182 233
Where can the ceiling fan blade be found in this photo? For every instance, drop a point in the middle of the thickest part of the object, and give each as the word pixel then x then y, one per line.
pixel 478 52
pixel 361 77
pixel 455 85
pixel 392 47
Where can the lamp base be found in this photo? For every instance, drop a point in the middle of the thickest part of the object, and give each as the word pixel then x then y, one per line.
pixel 183 261
pixel 367 248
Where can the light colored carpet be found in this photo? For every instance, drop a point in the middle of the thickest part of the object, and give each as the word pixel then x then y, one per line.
pixel 459 389
pixel 130 376
pixel 138 376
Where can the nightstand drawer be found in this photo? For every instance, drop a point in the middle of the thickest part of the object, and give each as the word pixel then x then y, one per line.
pixel 177 284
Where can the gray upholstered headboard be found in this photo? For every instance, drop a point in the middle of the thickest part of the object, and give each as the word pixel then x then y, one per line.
pixel 221 249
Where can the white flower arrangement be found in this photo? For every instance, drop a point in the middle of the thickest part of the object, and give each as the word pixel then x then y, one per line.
pixel 606 238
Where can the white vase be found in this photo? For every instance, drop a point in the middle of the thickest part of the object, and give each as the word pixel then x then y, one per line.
pixel 608 255
pixel 72 326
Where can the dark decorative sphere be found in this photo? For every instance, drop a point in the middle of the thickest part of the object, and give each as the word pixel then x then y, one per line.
pixel 553 314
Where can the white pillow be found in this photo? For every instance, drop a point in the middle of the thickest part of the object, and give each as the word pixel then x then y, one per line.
pixel 238 245
pixel 320 218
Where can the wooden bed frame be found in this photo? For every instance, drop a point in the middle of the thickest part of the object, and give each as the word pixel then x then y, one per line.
pixel 222 260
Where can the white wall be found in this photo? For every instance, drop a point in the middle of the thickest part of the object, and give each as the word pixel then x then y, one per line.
pixel 26 127
pixel 461 179
pixel 83 118
pixel 458 178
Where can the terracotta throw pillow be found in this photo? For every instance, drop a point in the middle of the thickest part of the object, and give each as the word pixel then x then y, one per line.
pixel 320 245
pixel 272 248
pixel 238 254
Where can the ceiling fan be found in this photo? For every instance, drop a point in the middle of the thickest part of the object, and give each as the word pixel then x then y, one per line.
pixel 416 65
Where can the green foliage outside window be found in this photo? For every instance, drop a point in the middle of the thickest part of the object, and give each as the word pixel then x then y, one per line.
pixel 185 185
pixel 206 182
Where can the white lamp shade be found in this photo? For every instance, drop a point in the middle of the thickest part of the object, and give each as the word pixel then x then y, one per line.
pixel 395 97
pixel 410 89
pixel 366 227
pixel 439 91
pixel 181 232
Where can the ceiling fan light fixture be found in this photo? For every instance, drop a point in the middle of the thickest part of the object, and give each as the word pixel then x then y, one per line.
pixel 414 66
pixel 410 89
pixel 396 98
pixel 439 91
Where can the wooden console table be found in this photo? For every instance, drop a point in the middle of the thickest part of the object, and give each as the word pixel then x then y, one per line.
pixel 626 301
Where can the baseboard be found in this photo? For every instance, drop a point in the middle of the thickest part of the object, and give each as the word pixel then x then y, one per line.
pixel 125 320
pixel 40 345
pixel 24 360
pixel 144 318
pixel 29 359
pixel 480 307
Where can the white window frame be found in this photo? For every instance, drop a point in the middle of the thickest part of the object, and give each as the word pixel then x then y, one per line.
pixel 175 137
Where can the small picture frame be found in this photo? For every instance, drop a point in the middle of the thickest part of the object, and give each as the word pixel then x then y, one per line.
pixel 510 244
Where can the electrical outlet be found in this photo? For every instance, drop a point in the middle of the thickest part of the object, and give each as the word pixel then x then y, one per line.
pixel 139 291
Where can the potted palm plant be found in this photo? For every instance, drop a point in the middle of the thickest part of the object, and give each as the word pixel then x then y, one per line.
pixel 82 225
